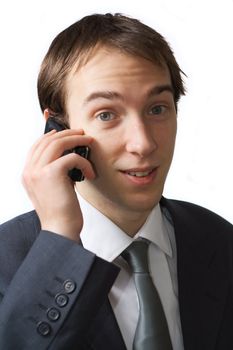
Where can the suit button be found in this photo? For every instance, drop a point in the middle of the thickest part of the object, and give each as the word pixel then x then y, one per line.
pixel 61 300
pixel 43 328
pixel 53 314
pixel 69 286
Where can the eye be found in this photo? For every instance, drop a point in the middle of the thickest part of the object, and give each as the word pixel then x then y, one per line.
pixel 105 116
pixel 157 110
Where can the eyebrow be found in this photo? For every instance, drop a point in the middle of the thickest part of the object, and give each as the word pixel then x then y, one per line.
pixel 108 95
pixel 157 90
pixel 113 95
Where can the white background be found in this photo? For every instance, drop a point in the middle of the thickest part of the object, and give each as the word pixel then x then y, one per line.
pixel 200 33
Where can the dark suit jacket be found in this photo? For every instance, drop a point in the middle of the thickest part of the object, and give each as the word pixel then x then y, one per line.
pixel 54 293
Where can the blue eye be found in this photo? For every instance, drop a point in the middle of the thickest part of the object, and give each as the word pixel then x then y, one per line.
pixel 105 116
pixel 156 110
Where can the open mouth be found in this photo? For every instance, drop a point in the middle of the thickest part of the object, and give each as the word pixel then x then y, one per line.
pixel 139 173
pixel 140 177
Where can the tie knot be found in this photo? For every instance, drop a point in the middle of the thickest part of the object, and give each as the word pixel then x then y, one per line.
pixel 136 256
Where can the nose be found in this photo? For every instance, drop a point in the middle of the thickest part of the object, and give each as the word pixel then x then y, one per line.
pixel 140 138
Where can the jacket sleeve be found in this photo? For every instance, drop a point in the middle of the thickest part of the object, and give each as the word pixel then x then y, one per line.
pixel 54 294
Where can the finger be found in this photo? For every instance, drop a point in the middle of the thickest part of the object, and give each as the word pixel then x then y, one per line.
pixel 61 166
pixel 42 144
pixel 35 146
pixel 56 148
pixel 53 134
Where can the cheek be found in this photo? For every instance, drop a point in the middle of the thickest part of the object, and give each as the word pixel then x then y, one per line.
pixel 103 152
pixel 166 140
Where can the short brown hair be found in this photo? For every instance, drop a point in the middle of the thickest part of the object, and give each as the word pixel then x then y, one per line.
pixel 74 45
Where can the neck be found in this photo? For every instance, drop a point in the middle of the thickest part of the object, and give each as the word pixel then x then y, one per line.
pixel 129 221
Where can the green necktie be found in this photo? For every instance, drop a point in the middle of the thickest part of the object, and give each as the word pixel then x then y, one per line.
pixel 152 331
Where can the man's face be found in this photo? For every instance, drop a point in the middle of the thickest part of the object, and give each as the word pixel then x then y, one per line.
pixel 126 104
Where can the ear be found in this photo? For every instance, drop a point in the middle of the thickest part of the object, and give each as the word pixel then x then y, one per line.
pixel 46 113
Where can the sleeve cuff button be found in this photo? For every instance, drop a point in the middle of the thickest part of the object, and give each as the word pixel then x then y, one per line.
pixel 61 300
pixel 69 286
pixel 43 328
pixel 53 314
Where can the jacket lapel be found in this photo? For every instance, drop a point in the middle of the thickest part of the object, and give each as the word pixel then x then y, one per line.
pixel 202 276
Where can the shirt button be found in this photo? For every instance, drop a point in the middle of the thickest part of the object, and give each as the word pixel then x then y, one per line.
pixel 61 300
pixel 43 328
pixel 53 314
pixel 69 286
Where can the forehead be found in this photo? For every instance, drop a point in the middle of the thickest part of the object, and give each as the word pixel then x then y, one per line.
pixel 110 68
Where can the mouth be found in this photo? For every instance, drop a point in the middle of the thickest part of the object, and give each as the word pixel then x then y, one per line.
pixel 140 173
pixel 141 176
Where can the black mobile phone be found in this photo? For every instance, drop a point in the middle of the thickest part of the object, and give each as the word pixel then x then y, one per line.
pixel 75 174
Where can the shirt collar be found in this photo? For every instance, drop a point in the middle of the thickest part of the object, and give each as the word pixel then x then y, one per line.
pixel 105 239
pixel 155 231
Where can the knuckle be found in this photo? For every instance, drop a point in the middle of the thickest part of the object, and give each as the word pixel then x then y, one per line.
pixel 58 146
pixel 30 176
pixel 26 176
pixel 45 173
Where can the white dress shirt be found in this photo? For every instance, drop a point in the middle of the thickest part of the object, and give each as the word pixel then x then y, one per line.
pixel 102 237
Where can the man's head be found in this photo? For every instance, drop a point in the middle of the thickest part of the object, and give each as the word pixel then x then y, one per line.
pixel 117 80
pixel 76 44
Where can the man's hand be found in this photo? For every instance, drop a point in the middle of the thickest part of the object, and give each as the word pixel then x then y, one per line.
pixel 48 185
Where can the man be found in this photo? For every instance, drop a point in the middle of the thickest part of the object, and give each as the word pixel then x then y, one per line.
pixel 115 84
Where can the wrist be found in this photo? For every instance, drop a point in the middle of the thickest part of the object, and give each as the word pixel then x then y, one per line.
pixel 69 231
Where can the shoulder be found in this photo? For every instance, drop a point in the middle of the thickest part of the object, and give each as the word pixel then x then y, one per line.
pixel 194 221
pixel 200 234
pixel 194 213
pixel 18 234
pixel 16 238
pixel 25 226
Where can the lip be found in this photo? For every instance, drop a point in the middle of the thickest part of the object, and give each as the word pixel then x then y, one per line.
pixel 143 180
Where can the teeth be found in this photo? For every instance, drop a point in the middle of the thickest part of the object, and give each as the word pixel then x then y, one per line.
pixel 139 173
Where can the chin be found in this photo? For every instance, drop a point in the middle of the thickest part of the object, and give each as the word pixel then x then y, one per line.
pixel 143 204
